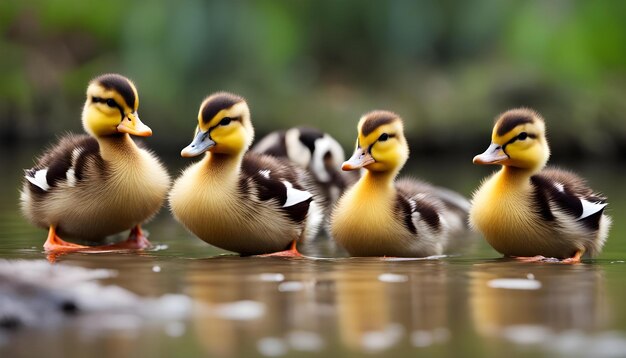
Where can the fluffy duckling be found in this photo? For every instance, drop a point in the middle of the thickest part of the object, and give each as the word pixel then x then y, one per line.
pixel 241 201
pixel 315 151
pixel 380 217
pixel 88 187
pixel 525 210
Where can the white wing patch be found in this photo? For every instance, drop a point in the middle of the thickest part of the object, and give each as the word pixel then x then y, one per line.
pixel 39 179
pixel 71 177
pixel 295 196
pixel 559 187
pixel 590 208
pixel 265 173
pixel 76 154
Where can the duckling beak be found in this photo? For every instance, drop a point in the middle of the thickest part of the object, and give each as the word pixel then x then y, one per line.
pixel 200 144
pixel 359 159
pixel 131 124
pixel 493 155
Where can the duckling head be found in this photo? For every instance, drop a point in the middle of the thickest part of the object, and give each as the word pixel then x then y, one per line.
pixel 224 126
pixel 380 145
pixel 518 140
pixel 111 107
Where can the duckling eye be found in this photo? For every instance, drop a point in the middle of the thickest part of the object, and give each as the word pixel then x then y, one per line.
pixel 383 137
pixel 225 121
pixel 111 103
pixel 522 136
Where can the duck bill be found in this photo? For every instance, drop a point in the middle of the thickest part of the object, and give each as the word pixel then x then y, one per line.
pixel 200 144
pixel 359 159
pixel 131 124
pixel 493 155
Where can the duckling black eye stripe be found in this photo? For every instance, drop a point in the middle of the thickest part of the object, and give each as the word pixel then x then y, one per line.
pixel 104 100
pixel 233 119
pixel 121 85
pixel 529 135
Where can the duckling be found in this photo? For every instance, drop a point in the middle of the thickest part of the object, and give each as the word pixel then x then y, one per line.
pixel 380 217
pixel 528 211
pixel 315 151
pixel 237 200
pixel 88 187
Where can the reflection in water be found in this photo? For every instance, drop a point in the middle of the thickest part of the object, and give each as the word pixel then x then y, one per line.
pixel 272 302
pixel 376 309
pixel 305 305
pixel 527 301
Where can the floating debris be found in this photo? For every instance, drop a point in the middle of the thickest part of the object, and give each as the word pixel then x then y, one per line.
pixel 291 286
pixel 526 334
pixel 175 329
pixel 393 277
pixel 376 341
pixel 272 347
pixel 156 268
pixel 514 284
pixel 305 341
pixel 239 310
pixel 34 293
pixel 569 342
pixel 272 277
pixel 426 338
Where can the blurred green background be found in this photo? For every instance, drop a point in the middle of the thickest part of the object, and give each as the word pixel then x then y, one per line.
pixel 447 67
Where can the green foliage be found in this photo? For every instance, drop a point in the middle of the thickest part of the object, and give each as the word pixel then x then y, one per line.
pixel 447 67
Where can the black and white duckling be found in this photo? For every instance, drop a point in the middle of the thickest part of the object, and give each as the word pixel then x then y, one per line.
pixel 528 211
pixel 315 151
pixel 381 217
pixel 88 187
pixel 237 200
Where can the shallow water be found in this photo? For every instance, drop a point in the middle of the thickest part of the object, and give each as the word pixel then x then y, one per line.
pixel 470 304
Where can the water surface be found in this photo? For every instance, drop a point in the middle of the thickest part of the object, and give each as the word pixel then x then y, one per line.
pixel 470 304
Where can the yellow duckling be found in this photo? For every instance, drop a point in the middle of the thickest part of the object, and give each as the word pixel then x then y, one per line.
pixel 91 186
pixel 380 217
pixel 241 201
pixel 523 210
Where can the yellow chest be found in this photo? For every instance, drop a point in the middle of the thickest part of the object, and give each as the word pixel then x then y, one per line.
pixel 365 220
pixel 502 210
pixel 198 195
pixel 139 179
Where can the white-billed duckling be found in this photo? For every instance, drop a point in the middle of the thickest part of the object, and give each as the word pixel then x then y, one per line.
pixel 88 187
pixel 238 200
pixel 525 210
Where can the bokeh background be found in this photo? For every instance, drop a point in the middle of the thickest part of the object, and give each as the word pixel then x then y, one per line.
pixel 447 67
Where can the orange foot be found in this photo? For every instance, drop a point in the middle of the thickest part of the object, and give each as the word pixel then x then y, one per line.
pixel 291 252
pixel 575 259
pixel 55 244
pixel 136 241
pixel 572 260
